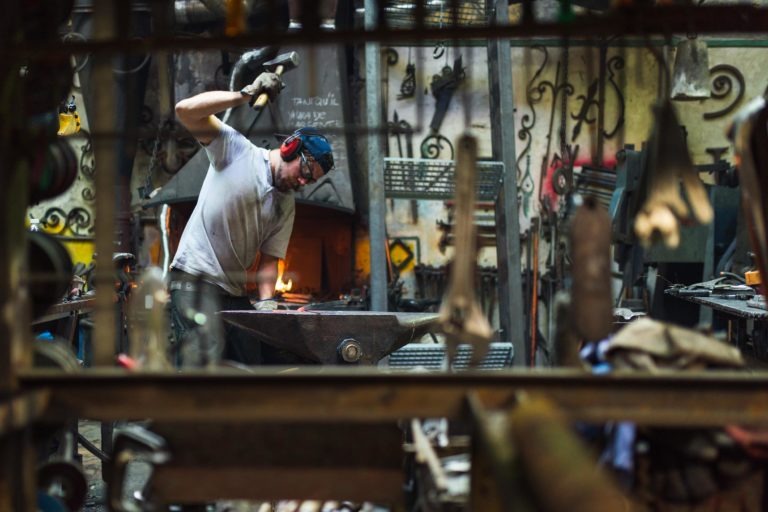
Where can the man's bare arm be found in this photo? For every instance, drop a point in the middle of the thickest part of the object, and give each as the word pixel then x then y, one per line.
pixel 266 276
pixel 197 113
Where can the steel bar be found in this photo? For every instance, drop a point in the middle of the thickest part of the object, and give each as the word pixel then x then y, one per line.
pixel 501 94
pixel 21 410
pixel 377 213
pixel 370 395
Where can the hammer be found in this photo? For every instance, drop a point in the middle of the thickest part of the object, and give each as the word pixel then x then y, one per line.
pixel 278 65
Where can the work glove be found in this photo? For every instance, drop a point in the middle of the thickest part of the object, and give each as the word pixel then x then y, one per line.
pixel 266 82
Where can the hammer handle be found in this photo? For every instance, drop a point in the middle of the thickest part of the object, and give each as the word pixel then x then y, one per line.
pixel 263 97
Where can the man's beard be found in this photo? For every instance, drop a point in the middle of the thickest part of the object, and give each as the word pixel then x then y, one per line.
pixel 281 182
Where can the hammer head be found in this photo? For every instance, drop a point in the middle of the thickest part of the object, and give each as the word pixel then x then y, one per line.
pixel 288 61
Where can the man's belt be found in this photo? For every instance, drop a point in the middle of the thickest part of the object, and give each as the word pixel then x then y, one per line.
pixel 187 286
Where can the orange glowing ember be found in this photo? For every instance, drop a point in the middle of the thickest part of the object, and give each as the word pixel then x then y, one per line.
pixel 280 285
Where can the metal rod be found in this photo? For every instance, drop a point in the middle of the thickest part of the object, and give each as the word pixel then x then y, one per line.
pixel 377 212
pixel 104 120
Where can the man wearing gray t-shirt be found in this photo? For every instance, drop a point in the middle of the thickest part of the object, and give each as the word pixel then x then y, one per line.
pixel 244 214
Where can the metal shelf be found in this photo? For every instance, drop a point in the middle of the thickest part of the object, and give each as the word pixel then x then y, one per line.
pixel 424 178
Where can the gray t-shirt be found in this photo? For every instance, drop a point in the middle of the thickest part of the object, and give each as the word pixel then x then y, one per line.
pixel 238 214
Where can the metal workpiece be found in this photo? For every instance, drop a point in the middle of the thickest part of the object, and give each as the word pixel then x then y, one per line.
pixel 371 395
pixel 590 250
pixel 539 462
pixel 330 337
pixel 461 318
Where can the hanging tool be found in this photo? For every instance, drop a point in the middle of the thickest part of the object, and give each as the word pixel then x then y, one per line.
pixel 460 315
pixel 670 163
pixel 443 85
pixel 69 119
pixel 408 86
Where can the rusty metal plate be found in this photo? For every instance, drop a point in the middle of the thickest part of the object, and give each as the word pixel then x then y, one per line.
pixel 358 337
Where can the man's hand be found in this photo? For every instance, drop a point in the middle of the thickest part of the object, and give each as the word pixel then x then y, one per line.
pixel 268 83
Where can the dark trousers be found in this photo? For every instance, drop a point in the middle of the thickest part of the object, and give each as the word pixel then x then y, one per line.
pixel 202 337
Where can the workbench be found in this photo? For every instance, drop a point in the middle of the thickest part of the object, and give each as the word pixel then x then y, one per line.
pixel 747 326
pixel 63 319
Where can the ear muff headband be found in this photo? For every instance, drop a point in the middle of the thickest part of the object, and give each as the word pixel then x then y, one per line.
pixel 290 147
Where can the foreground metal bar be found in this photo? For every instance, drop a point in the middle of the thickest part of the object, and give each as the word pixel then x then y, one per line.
pixel 370 396
pixel 637 20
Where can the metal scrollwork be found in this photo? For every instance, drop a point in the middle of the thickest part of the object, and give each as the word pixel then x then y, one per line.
pixel 616 64
pixel 722 87
pixel 408 87
pixel 86 156
pixel 88 194
pixel 590 100
pixel 533 95
pixel 78 220
pixel 392 56
pixel 439 50
pixel 587 102
pixel 432 147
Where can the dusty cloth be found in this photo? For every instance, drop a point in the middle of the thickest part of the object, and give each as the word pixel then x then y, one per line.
pixel 651 345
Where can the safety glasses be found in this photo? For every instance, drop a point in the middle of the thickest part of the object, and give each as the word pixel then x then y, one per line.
pixel 306 169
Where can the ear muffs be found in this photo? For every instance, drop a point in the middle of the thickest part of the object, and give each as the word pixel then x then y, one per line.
pixel 290 147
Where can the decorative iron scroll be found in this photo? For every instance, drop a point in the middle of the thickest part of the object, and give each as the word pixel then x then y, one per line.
pixel 87 167
pixel 78 220
pixel 616 64
pixel 432 147
pixel 439 50
pixel 722 86
pixel 590 100
pixel 391 55
pixel 532 95
pixel 587 102
pixel 408 86
pixel 527 121
pixel 535 92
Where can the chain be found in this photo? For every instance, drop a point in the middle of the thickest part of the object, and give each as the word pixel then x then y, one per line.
pixel 153 159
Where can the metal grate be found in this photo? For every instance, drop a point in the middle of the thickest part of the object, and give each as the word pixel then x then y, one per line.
pixel 437 13
pixel 423 178
pixel 432 357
